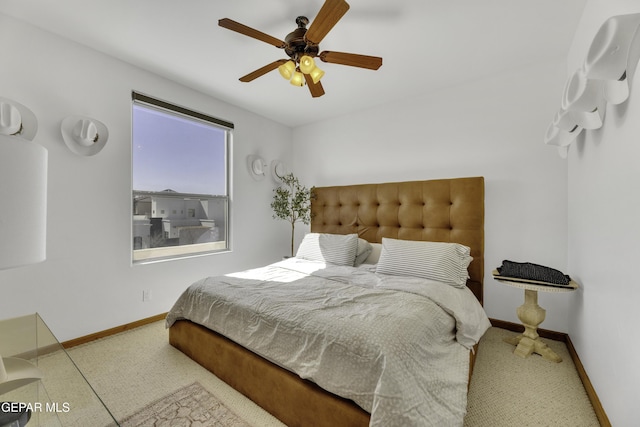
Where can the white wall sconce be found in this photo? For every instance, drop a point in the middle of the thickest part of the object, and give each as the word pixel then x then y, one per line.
pixel 83 135
pixel 23 190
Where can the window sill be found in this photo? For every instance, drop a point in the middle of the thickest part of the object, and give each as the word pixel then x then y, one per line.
pixel 144 256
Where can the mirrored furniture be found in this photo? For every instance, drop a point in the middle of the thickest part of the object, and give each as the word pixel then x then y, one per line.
pixel 62 396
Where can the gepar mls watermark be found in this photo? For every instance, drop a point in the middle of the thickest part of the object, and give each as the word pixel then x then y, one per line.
pixel 36 407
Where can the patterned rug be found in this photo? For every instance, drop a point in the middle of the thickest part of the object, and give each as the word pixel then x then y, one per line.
pixel 190 406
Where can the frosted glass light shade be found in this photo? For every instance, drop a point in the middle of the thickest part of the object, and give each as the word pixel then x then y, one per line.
pixel 286 70
pixel 307 64
pixel 23 202
pixel 297 79
pixel 316 74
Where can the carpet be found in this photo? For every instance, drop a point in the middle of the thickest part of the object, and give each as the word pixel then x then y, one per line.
pixel 505 390
pixel 190 406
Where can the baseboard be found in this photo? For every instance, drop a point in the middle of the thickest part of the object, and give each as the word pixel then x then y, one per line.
pixel 103 334
pixel 591 392
pixel 563 337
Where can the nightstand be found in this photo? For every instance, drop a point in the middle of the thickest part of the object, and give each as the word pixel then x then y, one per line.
pixel 532 315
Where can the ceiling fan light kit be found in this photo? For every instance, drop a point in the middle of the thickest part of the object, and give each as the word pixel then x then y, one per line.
pixel 316 74
pixel 307 64
pixel 297 79
pixel 287 69
pixel 302 46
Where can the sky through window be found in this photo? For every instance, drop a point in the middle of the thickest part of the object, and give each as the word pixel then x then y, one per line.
pixel 177 153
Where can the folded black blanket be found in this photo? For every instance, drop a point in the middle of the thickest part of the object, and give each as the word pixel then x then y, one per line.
pixel 529 271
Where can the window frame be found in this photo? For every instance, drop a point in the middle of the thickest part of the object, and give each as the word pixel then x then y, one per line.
pixel 168 253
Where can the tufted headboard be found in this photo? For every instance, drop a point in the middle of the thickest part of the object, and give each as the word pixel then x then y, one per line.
pixel 442 210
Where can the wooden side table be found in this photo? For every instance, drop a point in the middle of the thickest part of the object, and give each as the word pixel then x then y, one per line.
pixel 532 315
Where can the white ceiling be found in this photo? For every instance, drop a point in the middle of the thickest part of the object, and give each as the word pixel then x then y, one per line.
pixel 425 44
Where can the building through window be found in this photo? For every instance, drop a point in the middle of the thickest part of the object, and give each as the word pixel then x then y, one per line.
pixel 180 181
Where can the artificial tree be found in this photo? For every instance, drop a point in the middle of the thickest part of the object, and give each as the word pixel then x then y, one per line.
pixel 292 202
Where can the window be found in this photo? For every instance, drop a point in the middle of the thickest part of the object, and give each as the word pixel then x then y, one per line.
pixel 180 181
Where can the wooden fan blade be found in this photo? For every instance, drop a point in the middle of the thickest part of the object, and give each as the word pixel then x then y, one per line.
pixel 248 31
pixel 351 59
pixel 328 16
pixel 262 71
pixel 316 89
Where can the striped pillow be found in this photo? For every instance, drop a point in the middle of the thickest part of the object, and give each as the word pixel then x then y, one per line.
pixel 444 262
pixel 339 249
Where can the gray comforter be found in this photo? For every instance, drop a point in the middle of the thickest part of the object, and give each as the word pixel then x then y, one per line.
pixel 397 346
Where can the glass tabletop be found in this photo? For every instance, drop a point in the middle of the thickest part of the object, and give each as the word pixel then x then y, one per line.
pixel 43 381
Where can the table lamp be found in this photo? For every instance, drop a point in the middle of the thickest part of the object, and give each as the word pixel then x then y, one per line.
pixel 23 213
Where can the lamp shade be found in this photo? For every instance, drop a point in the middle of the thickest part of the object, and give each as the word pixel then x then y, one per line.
pixel 297 79
pixel 287 69
pixel 307 64
pixel 23 202
pixel 316 74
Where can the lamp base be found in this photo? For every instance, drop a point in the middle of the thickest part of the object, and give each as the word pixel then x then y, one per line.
pixel 18 372
pixel 13 415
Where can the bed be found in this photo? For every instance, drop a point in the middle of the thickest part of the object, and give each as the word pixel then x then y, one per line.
pixel 299 381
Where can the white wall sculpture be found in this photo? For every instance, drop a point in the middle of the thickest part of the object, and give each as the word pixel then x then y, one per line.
pixel 603 79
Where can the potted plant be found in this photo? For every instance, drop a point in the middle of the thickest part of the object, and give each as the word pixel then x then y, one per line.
pixel 292 202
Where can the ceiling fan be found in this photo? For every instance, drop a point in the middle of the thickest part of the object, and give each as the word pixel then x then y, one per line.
pixel 302 46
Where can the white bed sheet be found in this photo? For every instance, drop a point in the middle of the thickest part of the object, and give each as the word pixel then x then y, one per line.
pixel 397 346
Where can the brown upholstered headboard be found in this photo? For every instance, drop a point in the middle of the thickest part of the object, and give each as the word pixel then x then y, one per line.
pixel 442 210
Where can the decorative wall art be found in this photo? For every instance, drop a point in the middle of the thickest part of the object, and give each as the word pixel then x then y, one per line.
pixel 602 79
pixel 83 135
pixel 257 167
pixel 278 170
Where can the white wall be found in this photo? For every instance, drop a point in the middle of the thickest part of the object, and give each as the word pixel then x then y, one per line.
pixel 87 283
pixel 604 208
pixel 492 128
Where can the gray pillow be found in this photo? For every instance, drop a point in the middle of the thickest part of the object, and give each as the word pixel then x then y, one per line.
pixel 339 249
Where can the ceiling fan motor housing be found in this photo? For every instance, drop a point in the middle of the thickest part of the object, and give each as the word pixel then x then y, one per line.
pixel 297 45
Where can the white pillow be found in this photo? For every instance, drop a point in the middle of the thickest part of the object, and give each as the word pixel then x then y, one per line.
pixel 444 262
pixel 364 249
pixel 339 249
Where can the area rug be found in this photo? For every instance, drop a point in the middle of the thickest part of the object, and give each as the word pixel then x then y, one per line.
pixel 190 406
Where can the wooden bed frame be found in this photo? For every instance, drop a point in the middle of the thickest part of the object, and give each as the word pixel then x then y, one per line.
pixel 445 210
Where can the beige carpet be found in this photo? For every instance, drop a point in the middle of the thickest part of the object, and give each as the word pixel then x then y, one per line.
pixel 136 368
pixel 508 391
pixel 132 369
